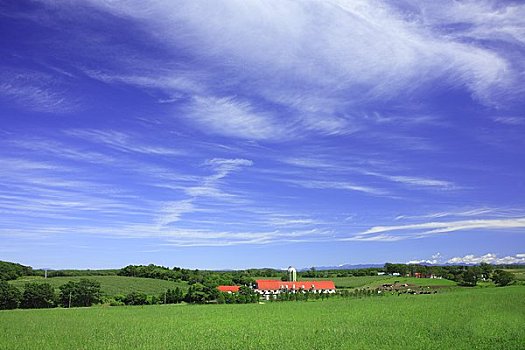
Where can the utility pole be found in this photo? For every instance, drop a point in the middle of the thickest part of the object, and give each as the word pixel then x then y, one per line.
pixel 69 307
pixel 165 297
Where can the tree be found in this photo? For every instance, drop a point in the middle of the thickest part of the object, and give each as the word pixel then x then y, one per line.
pixel 10 296
pixel 136 298
pixel 469 278
pixel 86 292
pixel 390 268
pixel 221 299
pixel 196 294
pixel 11 271
pixel 486 270
pixel 38 295
pixel 172 296
pixel 502 278
pixel 247 295
pixel 67 293
pixel 179 295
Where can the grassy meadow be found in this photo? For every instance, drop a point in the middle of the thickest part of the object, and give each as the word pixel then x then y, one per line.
pixel 376 281
pixel 463 318
pixel 110 285
pixel 519 274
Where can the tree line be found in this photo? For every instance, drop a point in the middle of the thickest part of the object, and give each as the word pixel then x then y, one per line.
pixel 206 277
pixel 467 276
pixel 42 295
pixel 11 271
pixel 86 292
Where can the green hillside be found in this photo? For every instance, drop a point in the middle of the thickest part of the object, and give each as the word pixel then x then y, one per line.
pixel 111 285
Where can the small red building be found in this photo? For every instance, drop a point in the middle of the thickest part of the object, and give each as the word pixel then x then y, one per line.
pixel 228 289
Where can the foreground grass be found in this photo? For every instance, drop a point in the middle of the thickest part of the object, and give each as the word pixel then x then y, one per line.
pixel 481 318
pixel 111 285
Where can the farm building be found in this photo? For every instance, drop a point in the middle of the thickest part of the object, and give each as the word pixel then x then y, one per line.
pixel 271 288
pixel 228 289
pixel 425 275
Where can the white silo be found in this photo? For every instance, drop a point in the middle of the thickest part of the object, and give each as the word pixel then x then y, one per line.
pixel 292 274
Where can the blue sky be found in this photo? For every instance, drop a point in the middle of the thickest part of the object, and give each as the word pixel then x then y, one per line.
pixel 233 134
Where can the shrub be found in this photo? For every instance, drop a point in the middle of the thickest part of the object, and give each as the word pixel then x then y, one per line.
pixel 10 296
pixel 38 295
pixel 85 292
pixel 136 298
pixel 502 278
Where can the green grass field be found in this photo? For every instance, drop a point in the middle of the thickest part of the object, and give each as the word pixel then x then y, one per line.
pixel 477 318
pixel 111 285
pixel 518 273
pixel 375 281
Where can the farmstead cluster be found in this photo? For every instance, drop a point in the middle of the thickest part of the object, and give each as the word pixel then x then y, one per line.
pixel 270 289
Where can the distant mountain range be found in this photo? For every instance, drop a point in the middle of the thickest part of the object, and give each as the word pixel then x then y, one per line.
pixel 345 267
pixel 367 266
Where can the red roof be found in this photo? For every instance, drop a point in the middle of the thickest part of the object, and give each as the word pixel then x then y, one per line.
pixel 233 289
pixel 306 285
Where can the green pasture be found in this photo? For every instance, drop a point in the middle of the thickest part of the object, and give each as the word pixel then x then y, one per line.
pixel 518 273
pixel 477 318
pixel 111 285
pixel 376 281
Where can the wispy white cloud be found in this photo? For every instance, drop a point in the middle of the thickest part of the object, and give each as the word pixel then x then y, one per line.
pixel 483 20
pixel 418 181
pixel 49 193
pixel 485 211
pixel 122 141
pixel 287 221
pixel 374 238
pixel 338 185
pixel 230 117
pixel 428 228
pixel 167 80
pixel 314 61
pixel 173 236
pixel 36 91
pixel 341 167
pixel 60 150
pixel 414 181
pixel 510 120
pixel 310 162
pixel 208 186
pixel 174 210
pixel 226 166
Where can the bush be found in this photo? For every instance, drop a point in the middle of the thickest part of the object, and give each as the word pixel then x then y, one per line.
pixel 82 293
pixel 115 302
pixel 468 278
pixel 136 298
pixel 38 295
pixel 10 296
pixel 172 296
pixel 502 278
